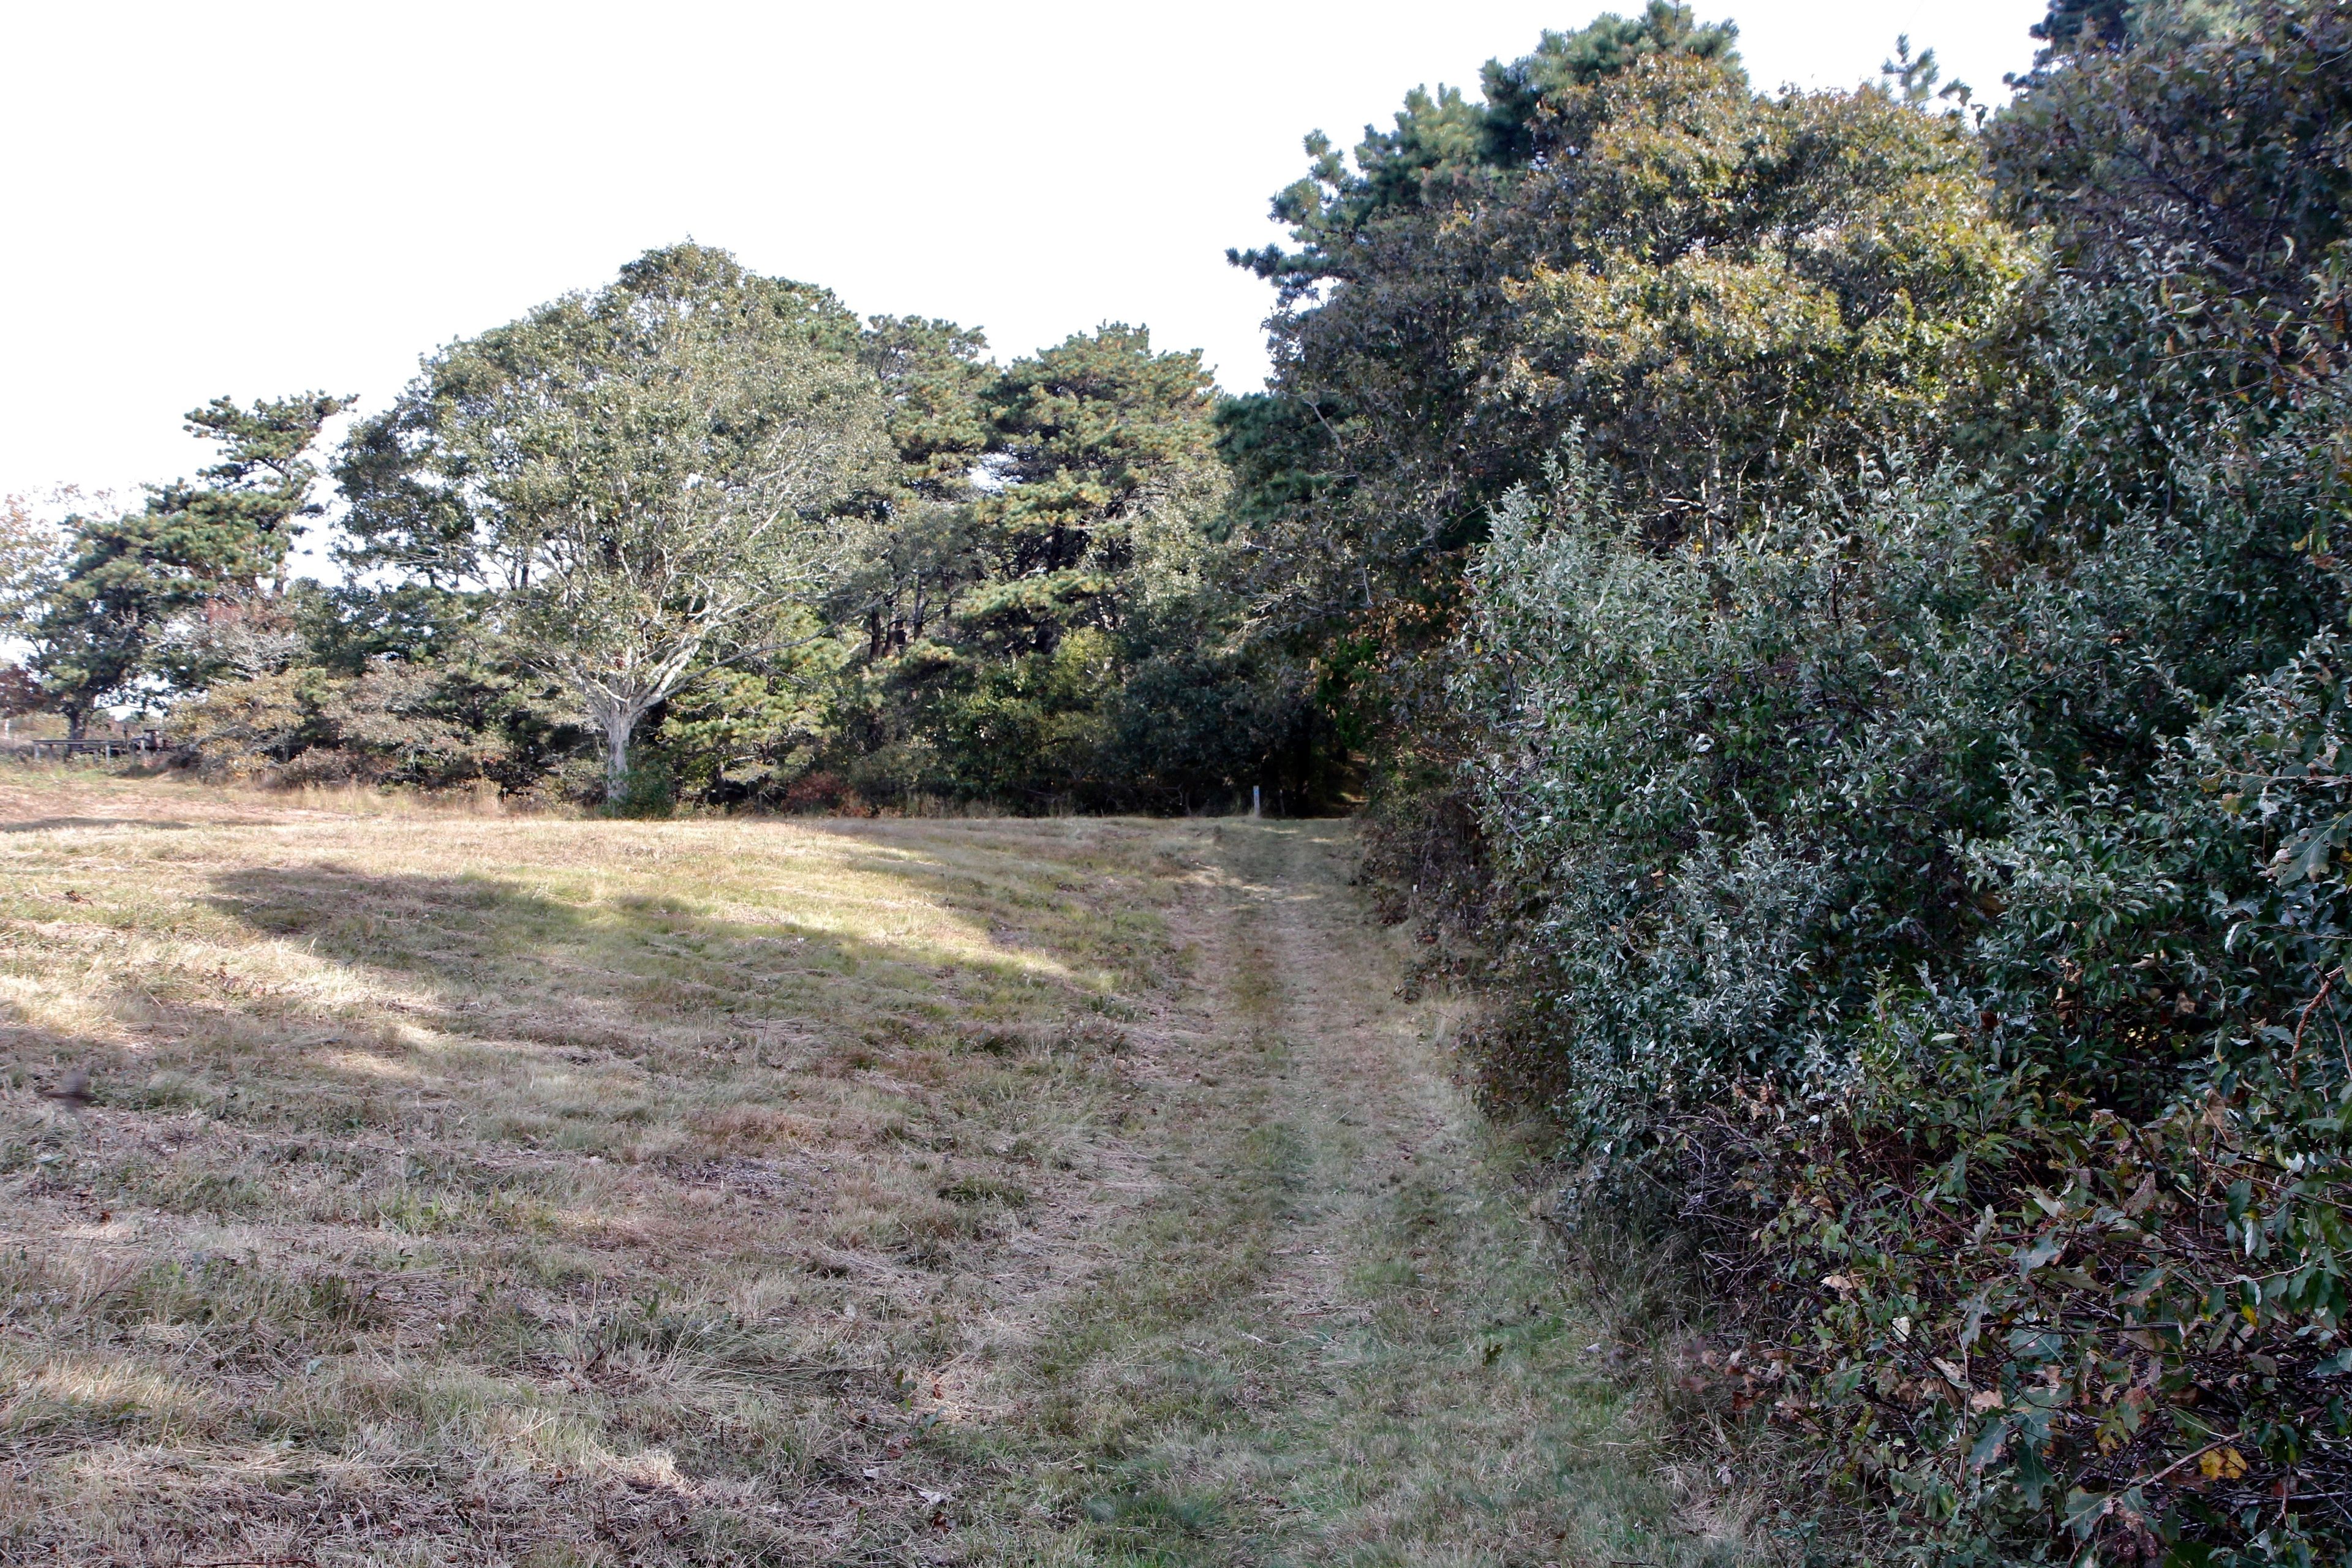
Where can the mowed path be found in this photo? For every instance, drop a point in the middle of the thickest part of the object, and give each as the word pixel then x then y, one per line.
pixel 1330 1330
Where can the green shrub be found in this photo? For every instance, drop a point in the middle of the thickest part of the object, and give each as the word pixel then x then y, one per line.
pixel 1931 901
pixel 435 725
pixel 648 789
pixel 1953 926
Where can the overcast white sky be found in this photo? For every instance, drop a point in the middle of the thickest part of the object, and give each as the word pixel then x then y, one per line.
pixel 257 199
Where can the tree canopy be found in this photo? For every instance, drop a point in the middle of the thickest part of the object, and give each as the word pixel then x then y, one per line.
pixel 118 579
pixel 1722 298
pixel 647 477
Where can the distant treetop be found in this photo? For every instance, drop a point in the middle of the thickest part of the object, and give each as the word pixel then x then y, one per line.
pixel 1529 105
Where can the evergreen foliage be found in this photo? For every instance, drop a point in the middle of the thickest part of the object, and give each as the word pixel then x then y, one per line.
pixel 1729 294
pixel 1060 627
pixel 764 551
pixel 122 580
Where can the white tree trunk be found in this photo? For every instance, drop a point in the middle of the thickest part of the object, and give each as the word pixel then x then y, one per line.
pixel 616 699
pixel 620 724
pixel 617 718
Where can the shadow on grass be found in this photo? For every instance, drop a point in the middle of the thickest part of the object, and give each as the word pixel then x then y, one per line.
pixel 614 972
pixel 1085 904
pixel 648 983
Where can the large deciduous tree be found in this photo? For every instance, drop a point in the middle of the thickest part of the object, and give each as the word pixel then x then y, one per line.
pixel 648 480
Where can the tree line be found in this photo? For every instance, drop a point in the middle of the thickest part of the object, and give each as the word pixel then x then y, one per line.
pixel 1832 604
pixel 707 535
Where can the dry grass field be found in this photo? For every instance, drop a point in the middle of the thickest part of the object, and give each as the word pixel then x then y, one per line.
pixel 459 1189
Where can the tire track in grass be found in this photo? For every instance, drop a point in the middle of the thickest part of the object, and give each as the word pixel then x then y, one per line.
pixel 1332 1334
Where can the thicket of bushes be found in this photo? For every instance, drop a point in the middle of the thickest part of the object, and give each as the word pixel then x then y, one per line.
pixel 1929 896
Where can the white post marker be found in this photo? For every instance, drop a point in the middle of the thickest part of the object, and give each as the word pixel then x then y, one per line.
pixel 1252 801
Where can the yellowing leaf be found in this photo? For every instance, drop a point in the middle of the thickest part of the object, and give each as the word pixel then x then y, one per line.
pixel 2221 1465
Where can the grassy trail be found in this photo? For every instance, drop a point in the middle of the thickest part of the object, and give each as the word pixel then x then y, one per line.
pixel 1333 1334
pixel 548 1193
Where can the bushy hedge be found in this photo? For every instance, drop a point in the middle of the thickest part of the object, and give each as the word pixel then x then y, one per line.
pixel 434 726
pixel 1942 899
pixel 1930 900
